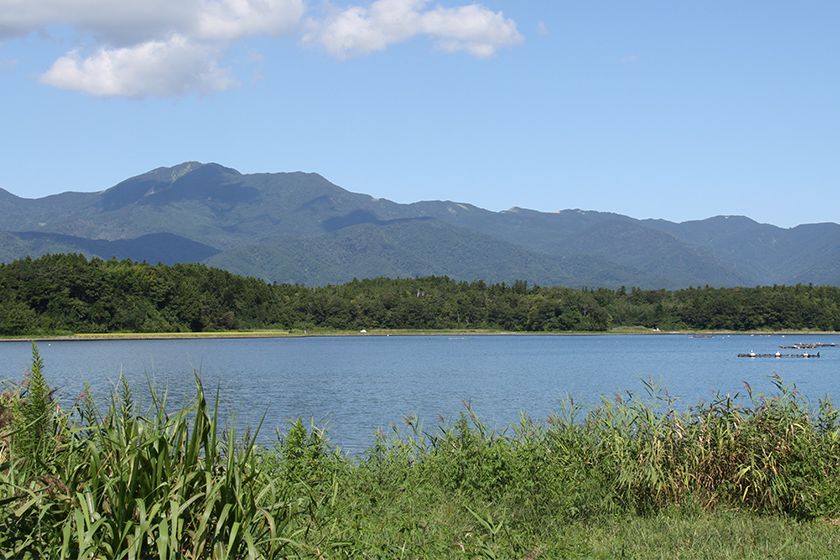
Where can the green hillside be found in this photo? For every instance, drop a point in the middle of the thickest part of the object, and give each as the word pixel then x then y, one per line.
pixel 69 293
pixel 299 227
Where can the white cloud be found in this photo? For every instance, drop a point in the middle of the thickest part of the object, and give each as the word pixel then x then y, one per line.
pixel 232 19
pixel 361 30
pixel 131 21
pixel 149 47
pixel 109 20
pixel 163 68
pixel 174 47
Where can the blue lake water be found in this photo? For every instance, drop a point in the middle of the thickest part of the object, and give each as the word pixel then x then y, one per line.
pixel 356 385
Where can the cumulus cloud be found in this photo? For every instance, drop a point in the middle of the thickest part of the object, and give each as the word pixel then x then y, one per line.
pixel 232 19
pixel 153 47
pixel 361 30
pixel 132 21
pixel 115 22
pixel 162 68
pixel 174 47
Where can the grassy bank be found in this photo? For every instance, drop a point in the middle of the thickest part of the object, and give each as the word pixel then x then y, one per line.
pixel 261 333
pixel 755 477
pixel 315 332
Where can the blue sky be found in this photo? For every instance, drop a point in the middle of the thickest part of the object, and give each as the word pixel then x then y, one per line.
pixel 652 109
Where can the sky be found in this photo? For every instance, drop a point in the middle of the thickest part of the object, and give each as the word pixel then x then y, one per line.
pixel 675 110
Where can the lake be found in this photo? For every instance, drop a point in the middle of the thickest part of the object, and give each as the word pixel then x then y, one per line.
pixel 356 385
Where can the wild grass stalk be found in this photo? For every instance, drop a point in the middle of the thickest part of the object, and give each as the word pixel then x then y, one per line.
pixel 129 485
pixel 133 482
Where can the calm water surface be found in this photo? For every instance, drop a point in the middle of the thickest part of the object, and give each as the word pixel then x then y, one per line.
pixel 357 385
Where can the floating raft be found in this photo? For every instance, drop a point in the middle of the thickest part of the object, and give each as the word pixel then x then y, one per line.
pixel 779 355
pixel 809 346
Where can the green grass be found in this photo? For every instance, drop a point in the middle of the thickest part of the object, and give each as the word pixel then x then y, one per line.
pixel 712 536
pixel 668 535
pixel 757 477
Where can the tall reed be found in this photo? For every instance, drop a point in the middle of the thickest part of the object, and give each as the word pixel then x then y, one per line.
pixel 129 485
pixel 139 483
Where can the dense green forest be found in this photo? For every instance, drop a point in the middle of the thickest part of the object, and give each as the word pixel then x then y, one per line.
pixel 69 293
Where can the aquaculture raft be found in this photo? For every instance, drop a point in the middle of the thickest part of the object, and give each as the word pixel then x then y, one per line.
pixel 779 355
pixel 809 346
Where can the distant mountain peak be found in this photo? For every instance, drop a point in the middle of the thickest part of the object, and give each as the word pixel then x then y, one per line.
pixel 191 180
pixel 728 222
pixel 178 171
pixel 732 218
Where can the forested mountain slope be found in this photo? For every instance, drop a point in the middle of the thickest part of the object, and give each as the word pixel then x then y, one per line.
pixel 299 227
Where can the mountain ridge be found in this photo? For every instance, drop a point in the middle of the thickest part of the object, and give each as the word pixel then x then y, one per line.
pixel 300 227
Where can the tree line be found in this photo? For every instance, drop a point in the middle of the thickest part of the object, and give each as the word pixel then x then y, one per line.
pixel 71 293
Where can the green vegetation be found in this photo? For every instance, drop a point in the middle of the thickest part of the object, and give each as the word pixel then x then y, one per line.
pixel 69 293
pixel 755 477
pixel 31 417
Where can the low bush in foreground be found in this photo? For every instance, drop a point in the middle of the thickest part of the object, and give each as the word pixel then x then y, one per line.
pixel 734 478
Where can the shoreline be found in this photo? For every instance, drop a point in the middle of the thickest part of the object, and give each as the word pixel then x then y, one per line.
pixel 626 331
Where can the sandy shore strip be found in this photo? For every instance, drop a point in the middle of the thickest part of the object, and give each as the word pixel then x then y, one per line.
pixel 301 333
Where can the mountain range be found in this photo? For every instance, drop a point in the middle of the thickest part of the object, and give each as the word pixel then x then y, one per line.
pixel 301 228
